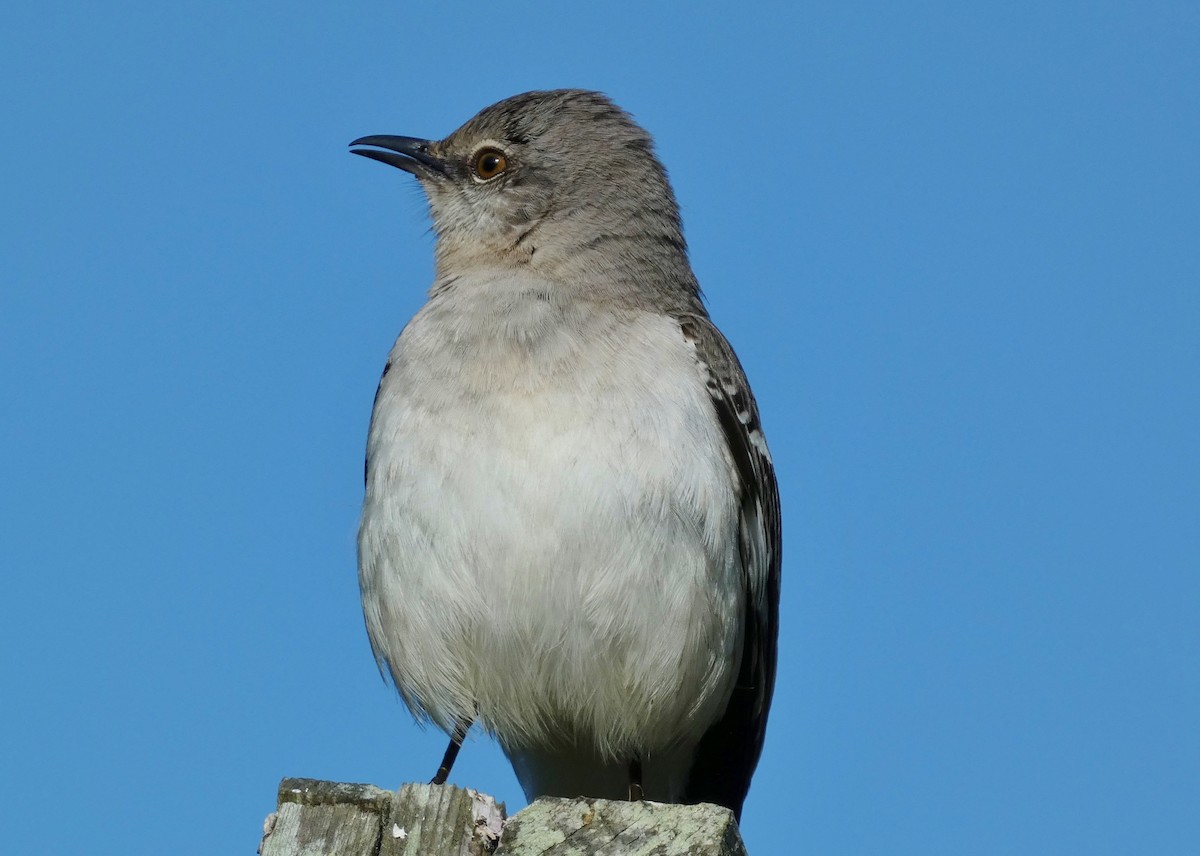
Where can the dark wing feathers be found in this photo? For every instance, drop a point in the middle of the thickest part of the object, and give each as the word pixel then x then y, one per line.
pixel 728 753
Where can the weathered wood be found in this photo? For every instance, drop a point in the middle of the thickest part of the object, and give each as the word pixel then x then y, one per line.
pixel 586 827
pixel 333 819
pixel 442 820
pixel 321 818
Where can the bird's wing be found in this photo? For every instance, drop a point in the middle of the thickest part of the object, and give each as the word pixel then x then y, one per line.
pixel 729 751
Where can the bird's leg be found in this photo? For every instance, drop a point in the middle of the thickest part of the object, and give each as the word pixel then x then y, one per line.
pixel 635 779
pixel 456 738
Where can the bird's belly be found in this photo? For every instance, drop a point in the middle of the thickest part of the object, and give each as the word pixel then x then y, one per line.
pixel 566 572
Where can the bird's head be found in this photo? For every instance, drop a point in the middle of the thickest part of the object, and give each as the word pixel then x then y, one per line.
pixel 538 178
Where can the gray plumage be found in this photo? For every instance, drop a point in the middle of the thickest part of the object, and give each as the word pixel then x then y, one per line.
pixel 571 527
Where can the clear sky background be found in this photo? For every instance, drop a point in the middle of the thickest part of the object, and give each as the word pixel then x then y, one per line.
pixel 956 246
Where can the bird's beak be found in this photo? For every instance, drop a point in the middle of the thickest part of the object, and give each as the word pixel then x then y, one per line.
pixel 406 153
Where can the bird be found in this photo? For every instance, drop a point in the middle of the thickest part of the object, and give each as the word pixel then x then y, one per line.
pixel 570 532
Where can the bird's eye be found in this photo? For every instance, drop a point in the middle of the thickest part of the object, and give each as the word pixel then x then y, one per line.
pixel 489 163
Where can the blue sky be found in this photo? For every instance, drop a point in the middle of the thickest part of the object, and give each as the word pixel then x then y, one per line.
pixel 954 244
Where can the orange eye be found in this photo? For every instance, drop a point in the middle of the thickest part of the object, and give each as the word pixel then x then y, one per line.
pixel 489 163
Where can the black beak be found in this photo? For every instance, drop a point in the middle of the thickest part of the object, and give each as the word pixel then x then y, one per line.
pixel 406 153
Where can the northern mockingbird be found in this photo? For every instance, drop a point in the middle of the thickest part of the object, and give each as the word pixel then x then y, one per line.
pixel 571 527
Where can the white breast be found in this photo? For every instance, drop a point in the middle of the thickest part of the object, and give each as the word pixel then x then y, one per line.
pixel 549 538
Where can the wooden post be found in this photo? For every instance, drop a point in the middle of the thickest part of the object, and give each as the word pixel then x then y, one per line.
pixel 329 819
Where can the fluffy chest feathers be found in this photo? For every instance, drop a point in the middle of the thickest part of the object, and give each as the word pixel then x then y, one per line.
pixel 549 533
